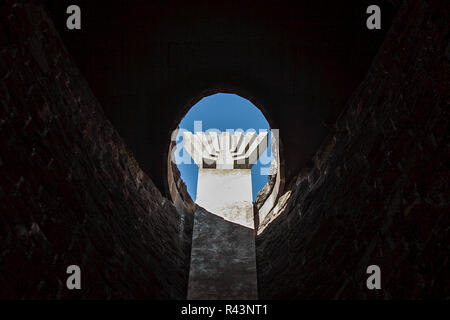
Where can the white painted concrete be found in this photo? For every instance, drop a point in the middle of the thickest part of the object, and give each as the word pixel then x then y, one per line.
pixel 227 193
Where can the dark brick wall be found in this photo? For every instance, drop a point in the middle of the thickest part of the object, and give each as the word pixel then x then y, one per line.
pixel 378 190
pixel 149 61
pixel 71 192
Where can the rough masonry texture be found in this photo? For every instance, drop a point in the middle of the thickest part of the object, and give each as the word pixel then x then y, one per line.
pixel 71 192
pixel 377 192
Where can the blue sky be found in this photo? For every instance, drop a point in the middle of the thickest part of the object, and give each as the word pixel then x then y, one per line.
pixel 223 111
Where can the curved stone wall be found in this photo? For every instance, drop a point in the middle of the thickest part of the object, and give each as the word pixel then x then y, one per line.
pixel 375 193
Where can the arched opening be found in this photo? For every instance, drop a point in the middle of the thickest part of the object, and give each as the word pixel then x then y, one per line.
pixel 224 111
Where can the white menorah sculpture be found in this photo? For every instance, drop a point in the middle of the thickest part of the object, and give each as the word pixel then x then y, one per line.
pixel 223 264
pixel 225 150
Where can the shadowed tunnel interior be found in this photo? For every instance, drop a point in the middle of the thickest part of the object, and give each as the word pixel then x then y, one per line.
pixel 86 117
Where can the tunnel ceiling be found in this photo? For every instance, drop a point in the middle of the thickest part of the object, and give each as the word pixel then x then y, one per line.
pixel 149 61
